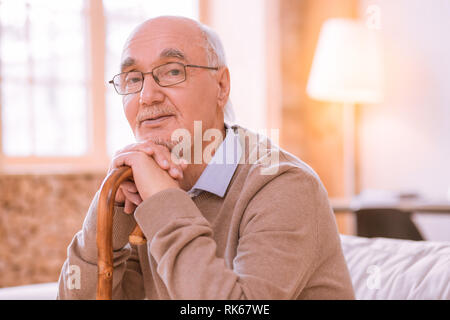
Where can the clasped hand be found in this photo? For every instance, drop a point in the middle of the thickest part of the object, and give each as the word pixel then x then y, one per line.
pixel 153 171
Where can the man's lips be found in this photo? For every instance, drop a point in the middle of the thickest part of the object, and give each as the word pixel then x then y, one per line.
pixel 155 121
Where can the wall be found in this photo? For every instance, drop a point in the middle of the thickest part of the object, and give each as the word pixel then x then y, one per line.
pixel 239 24
pixel 39 215
pixel 312 130
pixel 405 141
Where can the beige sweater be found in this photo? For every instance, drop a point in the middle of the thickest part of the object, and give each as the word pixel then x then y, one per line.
pixel 270 237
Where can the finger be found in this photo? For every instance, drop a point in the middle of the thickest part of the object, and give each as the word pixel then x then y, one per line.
pixel 132 197
pixel 129 207
pixel 183 163
pixel 175 172
pixel 145 147
pixel 120 197
pixel 140 146
pixel 130 186
pixel 126 159
pixel 172 159
pixel 161 155
pixel 151 149
pixel 164 161
pixel 123 159
pixel 161 159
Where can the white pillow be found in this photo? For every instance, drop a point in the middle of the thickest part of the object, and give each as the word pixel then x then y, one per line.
pixel 383 268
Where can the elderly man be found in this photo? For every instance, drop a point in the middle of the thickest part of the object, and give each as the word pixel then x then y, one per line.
pixel 215 230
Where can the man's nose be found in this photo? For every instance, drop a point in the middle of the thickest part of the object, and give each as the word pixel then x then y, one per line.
pixel 151 92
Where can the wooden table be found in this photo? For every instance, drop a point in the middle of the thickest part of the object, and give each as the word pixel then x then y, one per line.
pixel 423 206
pixel 391 218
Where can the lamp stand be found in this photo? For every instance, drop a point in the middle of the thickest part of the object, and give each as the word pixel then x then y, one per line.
pixel 350 174
pixel 349 149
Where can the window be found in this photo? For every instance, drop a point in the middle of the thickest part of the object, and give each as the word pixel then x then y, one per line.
pixel 57 111
pixel 43 78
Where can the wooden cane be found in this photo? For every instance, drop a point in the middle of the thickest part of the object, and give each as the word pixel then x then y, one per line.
pixel 104 230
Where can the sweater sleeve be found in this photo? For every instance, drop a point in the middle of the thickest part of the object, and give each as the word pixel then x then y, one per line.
pixel 292 225
pixel 78 278
pixel 276 253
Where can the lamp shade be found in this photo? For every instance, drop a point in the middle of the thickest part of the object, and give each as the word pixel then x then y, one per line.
pixel 347 65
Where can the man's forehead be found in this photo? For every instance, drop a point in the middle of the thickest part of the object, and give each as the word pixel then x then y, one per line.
pixel 150 45
pixel 129 61
pixel 169 23
pixel 164 33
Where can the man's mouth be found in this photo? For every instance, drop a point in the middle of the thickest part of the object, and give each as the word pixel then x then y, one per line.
pixel 153 121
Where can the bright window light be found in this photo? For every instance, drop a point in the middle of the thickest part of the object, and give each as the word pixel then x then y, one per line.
pixel 43 86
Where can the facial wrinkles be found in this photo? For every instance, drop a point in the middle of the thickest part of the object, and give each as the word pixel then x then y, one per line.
pixel 145 42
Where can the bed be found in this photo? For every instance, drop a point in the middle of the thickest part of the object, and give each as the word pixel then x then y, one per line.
pixel 380 268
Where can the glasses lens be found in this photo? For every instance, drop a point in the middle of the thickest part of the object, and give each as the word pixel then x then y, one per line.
pixel 128 82
pixel 170 74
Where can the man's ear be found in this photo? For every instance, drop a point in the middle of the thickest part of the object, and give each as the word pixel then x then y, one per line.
pixel 223 81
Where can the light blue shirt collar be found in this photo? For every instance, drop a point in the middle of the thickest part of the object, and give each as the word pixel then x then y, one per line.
pixel 217 175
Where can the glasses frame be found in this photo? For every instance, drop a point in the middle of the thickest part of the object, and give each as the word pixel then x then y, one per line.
pixel 156 79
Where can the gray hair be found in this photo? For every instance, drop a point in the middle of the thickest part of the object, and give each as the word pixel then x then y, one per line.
pixel 216 57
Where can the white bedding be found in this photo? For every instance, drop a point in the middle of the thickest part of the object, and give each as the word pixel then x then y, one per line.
pixel 383 268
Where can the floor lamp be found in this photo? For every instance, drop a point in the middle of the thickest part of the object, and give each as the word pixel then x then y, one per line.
pixel 347 69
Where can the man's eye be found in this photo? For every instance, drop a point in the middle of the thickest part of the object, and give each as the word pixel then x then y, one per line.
pixel 134 80
pixel 174 72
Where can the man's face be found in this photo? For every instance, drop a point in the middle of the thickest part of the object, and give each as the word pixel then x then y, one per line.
pixel 155 112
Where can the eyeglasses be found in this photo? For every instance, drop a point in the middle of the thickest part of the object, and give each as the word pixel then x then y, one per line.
pixel 166 75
